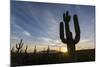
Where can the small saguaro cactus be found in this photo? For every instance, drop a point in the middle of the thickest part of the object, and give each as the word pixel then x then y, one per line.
pixel 66 35
pixel 48 49
pixel 35 49
pixel 26 49
pixel 12 50
pixel 19 46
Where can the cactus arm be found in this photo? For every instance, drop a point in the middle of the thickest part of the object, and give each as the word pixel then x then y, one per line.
pixel 21 45
pixel 77 38
pixel 62 32
pixel 67 28
pixel 76 24
pixel 20 42
pixel 66 17
pixel 77 29
pixel 16 46
pixel 68 33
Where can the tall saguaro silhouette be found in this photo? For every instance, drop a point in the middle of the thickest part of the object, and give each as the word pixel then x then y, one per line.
pixel 66 35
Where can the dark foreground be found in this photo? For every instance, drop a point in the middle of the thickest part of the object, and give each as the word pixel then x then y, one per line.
pixel 24 59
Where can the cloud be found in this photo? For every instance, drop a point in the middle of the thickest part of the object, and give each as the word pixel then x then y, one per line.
pixel 52 42
pixel 14 38
pixel 45 39
pixel 26 33
pixel 85 40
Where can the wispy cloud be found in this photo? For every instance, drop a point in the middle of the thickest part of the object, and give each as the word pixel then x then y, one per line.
pixel 85 40
pixel 26 33
pixel 19 31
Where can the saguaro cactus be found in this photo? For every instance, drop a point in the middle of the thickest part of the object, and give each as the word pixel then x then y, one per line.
pixel 19 46
pixel 66 35
pixel 35 49
pixel 12 50
pixel 48 49
pixel 26 49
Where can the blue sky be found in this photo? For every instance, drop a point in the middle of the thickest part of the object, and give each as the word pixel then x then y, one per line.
pixel 38 23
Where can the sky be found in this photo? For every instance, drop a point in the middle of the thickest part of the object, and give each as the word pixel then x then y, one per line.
pixel 38 23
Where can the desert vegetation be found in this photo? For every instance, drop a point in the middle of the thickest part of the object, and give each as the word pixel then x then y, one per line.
pixel 46 56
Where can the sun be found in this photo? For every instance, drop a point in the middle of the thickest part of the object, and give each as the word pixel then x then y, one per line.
pixel 64 50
